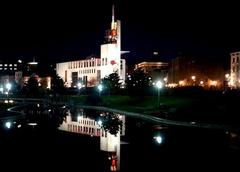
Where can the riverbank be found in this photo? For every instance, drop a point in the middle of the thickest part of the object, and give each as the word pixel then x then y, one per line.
pixel 218 109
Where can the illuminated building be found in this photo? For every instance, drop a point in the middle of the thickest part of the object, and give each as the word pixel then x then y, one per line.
pixel 154 69
pixel 235 70
pixel 7 71
pixel 189 71
pixel 91 70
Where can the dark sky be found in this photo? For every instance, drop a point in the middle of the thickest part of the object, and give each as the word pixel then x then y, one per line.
pixel 60 31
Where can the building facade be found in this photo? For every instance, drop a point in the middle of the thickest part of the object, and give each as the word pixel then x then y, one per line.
pixel 235 70
pixel 90 71
pixel 189 71
pixel 157 70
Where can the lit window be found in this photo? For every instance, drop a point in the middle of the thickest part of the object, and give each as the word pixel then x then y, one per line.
pixel 15 64
pixel 10 65
pixel 5 68
pixel 15 68
pixel 0 68
pixel 5 64
pixel 0 64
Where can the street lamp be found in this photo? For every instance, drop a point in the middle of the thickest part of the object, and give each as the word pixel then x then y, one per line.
pixel 8 86
pixel 159 86
pixel 100 88
pixel 227 80
pixel 193 78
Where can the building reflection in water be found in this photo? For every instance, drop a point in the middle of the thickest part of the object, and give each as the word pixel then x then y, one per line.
pixel 99 127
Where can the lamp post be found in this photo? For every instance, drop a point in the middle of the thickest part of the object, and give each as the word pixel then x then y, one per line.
pixel 227 80
pixel 194 79
pixel 159 86
pixel 8 86
pixel 100 88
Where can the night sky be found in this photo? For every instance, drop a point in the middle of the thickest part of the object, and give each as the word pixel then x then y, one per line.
pixel 68 31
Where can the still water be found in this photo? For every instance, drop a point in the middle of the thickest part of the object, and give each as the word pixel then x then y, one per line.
pixel 60 137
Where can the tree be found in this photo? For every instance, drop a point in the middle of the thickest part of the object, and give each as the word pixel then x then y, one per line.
pixel 138 82
pixel 31 86
pixel 111 83
pixel 57 84
pixel 111 123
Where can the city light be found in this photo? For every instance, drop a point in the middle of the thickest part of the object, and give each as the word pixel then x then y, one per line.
pixel 158 139
pixel 227 75
pixel 79 85
pixel 8 86
pixel 99 123
pixel 8 124
pixel 100 88
pixel 159 86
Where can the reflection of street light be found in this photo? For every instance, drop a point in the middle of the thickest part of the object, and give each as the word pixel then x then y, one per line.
pixel 159 86
pixel 100 88
pixel 79 85
pixel 8 86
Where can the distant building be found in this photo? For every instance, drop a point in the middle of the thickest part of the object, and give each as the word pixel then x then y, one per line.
pixel 155 69
pixel 7 72
pixel 235 70
pixel 89 72
pixel 189 71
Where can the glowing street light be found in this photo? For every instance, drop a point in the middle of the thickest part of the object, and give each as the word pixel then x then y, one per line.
pixel 194 79
pixel 159 86
pixel 158 139
pixel 100 88
pixel 8 124
pixel 8 86
pixel 79 85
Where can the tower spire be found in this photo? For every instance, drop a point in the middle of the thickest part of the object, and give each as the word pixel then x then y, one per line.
pixel 113 14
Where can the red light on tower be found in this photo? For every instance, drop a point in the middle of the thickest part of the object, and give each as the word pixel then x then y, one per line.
pixel 114 32
pixel 113 62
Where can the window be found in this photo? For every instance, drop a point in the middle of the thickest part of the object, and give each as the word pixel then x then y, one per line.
pixel 105 61
pixel 15 64
pixel 10 65
pixel 102 61
pixel 0 64
pixel 5 64
pixel 233 60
